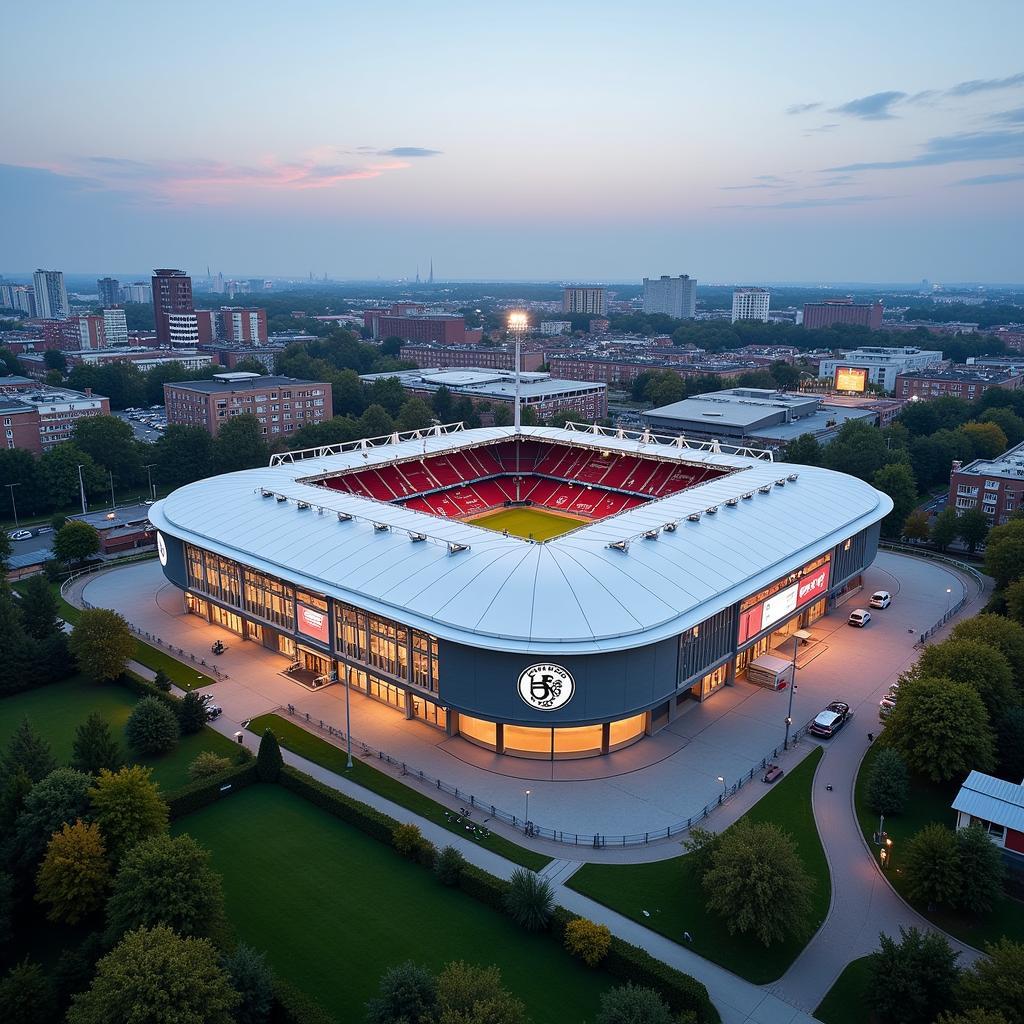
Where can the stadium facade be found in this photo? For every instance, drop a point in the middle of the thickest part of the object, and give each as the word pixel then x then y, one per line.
pixel 359 563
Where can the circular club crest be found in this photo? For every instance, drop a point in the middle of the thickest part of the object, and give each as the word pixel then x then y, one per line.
pixel 161 548
pixel 546 687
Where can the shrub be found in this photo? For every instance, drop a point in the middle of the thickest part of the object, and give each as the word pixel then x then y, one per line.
pixel 484 886
pixel 931 864
pixel 408 840
pixel 587 940
pixel 207 763
pixel 529 900
pixel 912 980
pixel 469 994
pixel 888 783
pixel 152 727
pixel 449 865
pixel 371 821
pixel 251 977
pixel 407 994
pixel 269 760
pixel 191 711
pixel 995 982
pixel 633 1004
pixel 162 681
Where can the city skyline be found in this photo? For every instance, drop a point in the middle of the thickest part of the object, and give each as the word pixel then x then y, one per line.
pixel 535 145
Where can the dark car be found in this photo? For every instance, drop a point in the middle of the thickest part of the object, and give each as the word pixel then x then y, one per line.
pixel 832 719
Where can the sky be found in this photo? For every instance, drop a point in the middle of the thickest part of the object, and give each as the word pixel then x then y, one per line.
pixel 567 140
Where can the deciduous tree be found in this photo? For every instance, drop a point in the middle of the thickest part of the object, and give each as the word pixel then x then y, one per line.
pixel 102 644
pixel 191 711
pixel 917 526
pixel 888 783
pixel 470 994
pixel 73 879
pixel 897 480
pixel 61 797
pixel 38 607
pixel 911 980
pixel 995 982
pixel 406 993
pixel 74 542
pixel 931 866
pixel 239 445
pixel 1004 552
pixel 973 528
pixel 128 808
pixel 1005 635
pixel 981 870
pixel 633 1004
pixel 982 667
pixel 944 529
pixel 26 996
pixel 152 727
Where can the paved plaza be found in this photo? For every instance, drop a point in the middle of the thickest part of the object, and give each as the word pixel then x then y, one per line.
pixel 658 782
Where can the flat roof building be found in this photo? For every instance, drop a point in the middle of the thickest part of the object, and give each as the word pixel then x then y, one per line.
pixel 881 364
pixel 488 357
pixel 750 304
pixel 36 418
pixel 966 382
pixel 583 299
pixel 409 323
pixel 50 294
pixel 173 310
pixel 996 486
pixel 673 296
pixel 843 311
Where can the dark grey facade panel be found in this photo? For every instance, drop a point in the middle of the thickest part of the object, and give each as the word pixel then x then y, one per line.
pixel 716 638
pixel 174 569
pixel 848 561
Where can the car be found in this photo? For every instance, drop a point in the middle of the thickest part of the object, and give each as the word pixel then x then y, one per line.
pixel 832 719
pixel 20 535
pixel 859 617
pixel 881 599
pixel 213 711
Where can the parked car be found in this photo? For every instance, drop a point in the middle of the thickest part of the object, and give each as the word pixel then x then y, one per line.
pixel 832 719
pixel 859 617
pixel 20 535
pixel 212 710
pixel 881 599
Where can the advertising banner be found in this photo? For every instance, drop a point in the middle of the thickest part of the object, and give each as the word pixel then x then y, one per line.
pixel 313 623
pixel 778 606
pixel 851 378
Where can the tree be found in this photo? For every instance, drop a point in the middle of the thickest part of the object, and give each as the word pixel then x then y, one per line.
pixel 72 881
pixel 917 526
pixel 239 445
pixel 128 808
pixel 931 865
pixel 945 529
pixel 981 870
pixel 633 1004
pixel 995 982
pixel 888 783
pixel 268 758
pixel 803 450
pixel 940 728
pixel 1003 634
pixel 207 764
pixel 182 455
pixel 972 1016
pixel 61 797
pixel 1008 422
pixel 152 727
pixel 529 899
pixel 162 681
pixel 157 977
pixel 897 481
pixel 102 644
pixel 407 994
pixel 8 904
pixel 54 359
pixel 27 751
pixel 58 475
pixel 1014 597
pixel 1004 552
pixel 38 608
pixel 987 439
pixel 166 880
pixel 388 394
pixel 191 711
pixel 415 414
pixel 449 865
pixel 973 528
pixel 375 422
pixel 252 978
pixel 758 883
pixel 95 747
pixel 17 651
pixel 26 996
pixel 111 443
pixel 1010 743
pixel 75 542
pixel 976 664
pixel 911 980
pixel 587 940
pixel 469 994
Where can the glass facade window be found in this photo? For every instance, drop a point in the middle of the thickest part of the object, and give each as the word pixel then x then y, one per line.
pixel 478 731
pixel 424 661
pixel 350 631
pixel 527 741
pixel 312 600
pixel 626 730
pixel 578 741
pixel 429 712
pixel 270 599
pixel 229 620
pixel 222 579
pixel 195 568
pixel 389 646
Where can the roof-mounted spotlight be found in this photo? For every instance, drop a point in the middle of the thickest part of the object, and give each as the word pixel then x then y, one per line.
pixel 711 510
pixel 302 505
pixel 415 537
pixel 280 498
pixel 670 527
pixel 694 517
pixel 264 493
pixel 651 535
pixel 733 502
pixel 781 482
pixel 381 527
pixel 344 517
pixel 620 545
pixel 748 495
pixel 454 549
pixel 792 477
pixel 767 489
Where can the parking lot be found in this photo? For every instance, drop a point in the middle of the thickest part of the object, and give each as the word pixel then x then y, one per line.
pixel 148 425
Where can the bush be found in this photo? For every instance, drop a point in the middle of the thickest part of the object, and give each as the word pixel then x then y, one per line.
pixel 206 764
pixel 912 980
pixel 449 865
pixel 291 1006
pixel 251 977
pixel 632 1004
pixel 407 994
pixel 269 760
pixel 470 994
pixel 191 711
pixel 26 996
pixel 204 792
pixel 587 940
pixel 408 840
pixel 484 886
pixel 888 783
pixel 995 982
pixel 931 865
pixel 529 900
pixel 130 681
pixel 162 681
pixel 152 727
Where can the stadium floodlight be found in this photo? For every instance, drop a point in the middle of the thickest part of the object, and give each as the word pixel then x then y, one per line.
pixel 670 527
pixel 651 534
pixel 454 549
pixel 781 482
pixel 620 545
pixel 711 510
pixel 344 517
pixel 264 493
pixel 792 477
pixel 280 498
pixel 518 322
pixel 766 489
pixel 381 527
pixel 416 537
pixel 733 502
pixel 694 517
pixel 748 495
pixel 518 325
pixel 302 505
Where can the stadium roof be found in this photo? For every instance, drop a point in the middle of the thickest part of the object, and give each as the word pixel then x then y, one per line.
pixel 573 594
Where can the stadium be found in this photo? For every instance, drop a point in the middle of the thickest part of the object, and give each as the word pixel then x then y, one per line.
pixel 542 592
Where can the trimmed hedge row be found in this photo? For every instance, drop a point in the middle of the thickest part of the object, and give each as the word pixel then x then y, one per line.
pixel 204 792
pixel 371 821
pixel 144 688
pixel 291 1006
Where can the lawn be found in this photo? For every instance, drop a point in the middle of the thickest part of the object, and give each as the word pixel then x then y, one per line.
pixel 670 893
pixel 844 1001
pixel 293 737
pixel 529 523
pixel 334 908
pixel 930 802
pixel 55 711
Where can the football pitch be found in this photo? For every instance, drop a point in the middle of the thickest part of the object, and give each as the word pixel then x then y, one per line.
pixel 528 523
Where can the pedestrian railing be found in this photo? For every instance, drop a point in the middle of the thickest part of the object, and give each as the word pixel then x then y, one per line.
pixel 530 828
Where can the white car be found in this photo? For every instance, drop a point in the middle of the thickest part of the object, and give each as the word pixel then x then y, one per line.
pixel 881 599
pixel 859 617
pixel 20 535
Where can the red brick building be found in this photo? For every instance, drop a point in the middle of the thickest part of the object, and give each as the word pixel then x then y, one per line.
pixel 843 311
pixel 36 418
pixel 417 326
pixel 496 358
pixel 621 370
pixel 172 294
pixel 996 486
pixel 282 405
pixel 235 325
pixel 958 382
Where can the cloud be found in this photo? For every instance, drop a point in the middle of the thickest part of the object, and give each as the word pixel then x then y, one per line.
pixel 836 182
pixel 952 149
pixel 801 108
pixel 985 85
pixel 770 181
pixel 1015 116
pixel 805 204
pixel 413 151
pixel 991 179
pixel 871 108
pixel 820 130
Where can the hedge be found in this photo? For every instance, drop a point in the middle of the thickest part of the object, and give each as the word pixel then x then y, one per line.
pixel 372 822
pixel 484 886
pixel 138 685
pixel 204 792
pixel 292 1006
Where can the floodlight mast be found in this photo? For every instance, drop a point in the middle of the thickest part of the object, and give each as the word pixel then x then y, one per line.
pixel 518 323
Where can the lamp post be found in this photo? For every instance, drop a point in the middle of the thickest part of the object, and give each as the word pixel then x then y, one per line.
pixel 348 723
pixel 725 791
pixel 527 807
pixel 949 596
pixel 81 489
pixel 792 687
pixel 518 324
pixel 885 854
pixel 149 477
pixel 110 475
pixel 14 508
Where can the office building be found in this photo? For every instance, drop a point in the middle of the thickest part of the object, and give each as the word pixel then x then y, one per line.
pixel 36 418
pixel 234 325
pixel 843 311
pixel 109 291
pixel 966 382
pixel 996 486
pixel 856 368
pixel 138 292
pixel 115 326
pixel 21 297
pixel 673 296
pixel 51 295
pixel 750 304
pixel 620 370
pixel 581 299
pixel 172 297
pixel 552 327
pixel 282 405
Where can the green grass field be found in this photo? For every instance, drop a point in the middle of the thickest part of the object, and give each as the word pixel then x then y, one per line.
pixel 528 523
pixel 844 1001
pixel 671 894
pixel 930 802
pixel 293 737
pixel 334 908
pixel 55 711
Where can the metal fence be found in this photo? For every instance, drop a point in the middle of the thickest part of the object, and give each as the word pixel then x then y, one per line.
pixel 530 828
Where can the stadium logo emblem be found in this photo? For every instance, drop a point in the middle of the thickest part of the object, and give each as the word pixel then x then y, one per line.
pixel 546 687
pixel 161 548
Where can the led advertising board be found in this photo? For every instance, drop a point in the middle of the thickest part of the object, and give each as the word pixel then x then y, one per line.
pixel 778 606
pixel 312 623
pixel 851 378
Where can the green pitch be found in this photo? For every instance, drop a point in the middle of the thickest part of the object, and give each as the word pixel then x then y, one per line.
pixel 522 522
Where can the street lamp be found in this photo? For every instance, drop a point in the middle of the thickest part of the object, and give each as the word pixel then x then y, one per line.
pixel 14 508
pixel 113 503
pixel 149 476
pixel 885 854
pixel 81 489
pixel 792 687
pixel 949 595
pixel 527 806
pixel 721 779
pixel 348 723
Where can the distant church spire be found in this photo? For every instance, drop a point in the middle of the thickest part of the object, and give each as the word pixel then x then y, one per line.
pixel 430 280
pixel 417 273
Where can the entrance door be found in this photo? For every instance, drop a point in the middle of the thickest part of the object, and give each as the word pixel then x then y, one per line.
pixel 316 663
